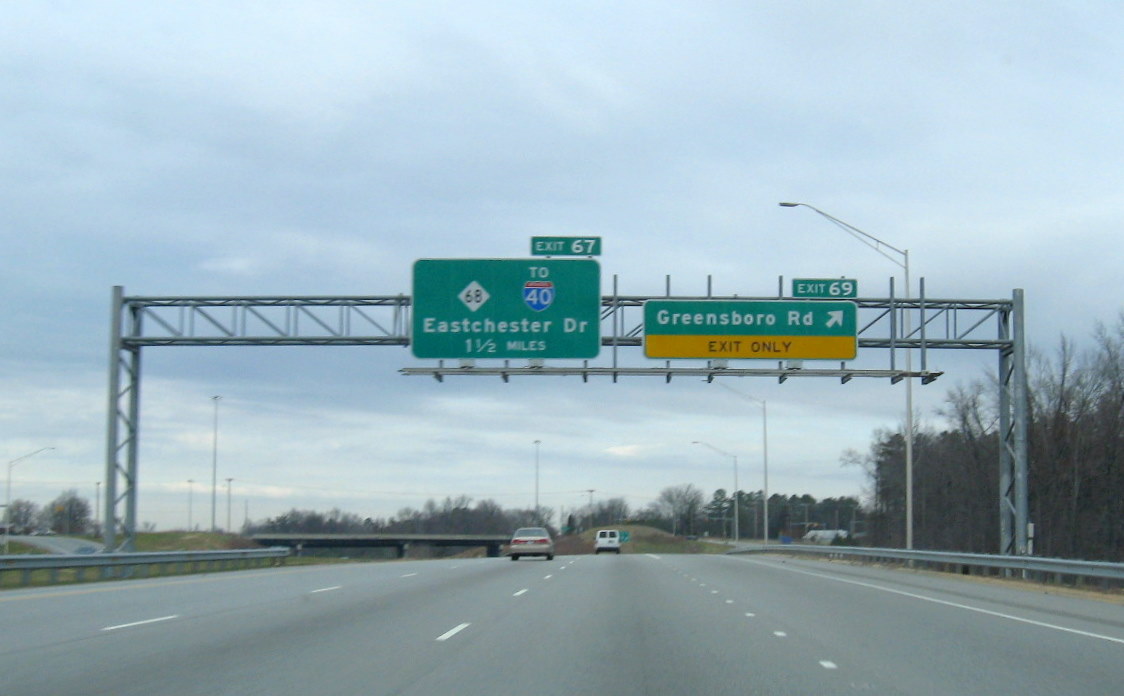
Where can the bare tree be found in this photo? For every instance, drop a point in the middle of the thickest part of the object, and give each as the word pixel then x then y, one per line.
pixel 23 514
pixel 1075 468
pixel 69 513
pixel 684 504
pixel 611 511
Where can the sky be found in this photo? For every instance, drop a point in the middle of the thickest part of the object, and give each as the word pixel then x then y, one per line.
pixel 299 148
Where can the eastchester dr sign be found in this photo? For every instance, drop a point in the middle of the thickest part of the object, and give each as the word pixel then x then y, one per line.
pixel 506 308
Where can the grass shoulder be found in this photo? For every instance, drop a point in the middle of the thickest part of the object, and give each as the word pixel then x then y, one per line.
pixel 641 539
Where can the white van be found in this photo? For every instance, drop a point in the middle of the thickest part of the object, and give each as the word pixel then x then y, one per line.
pixel 607 540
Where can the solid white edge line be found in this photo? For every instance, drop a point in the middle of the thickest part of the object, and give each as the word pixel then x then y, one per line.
pixel 141 623
pixel 945 602
pixel 452 632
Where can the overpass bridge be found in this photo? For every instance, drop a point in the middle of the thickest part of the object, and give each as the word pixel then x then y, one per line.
pixel 400 542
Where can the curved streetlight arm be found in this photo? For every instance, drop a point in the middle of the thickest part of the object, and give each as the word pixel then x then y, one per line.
pixel 877 244
pixel 710 446
pixel 734 495
pixel 26 456
pixel 8 495
pixel 864 237
pixel 764 450
pixel 741 394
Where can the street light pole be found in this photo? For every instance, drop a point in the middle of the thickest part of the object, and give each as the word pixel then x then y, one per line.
pixel 8 501
pixel 190 490
pixel 880 246
pixel 537 443
pixel 215 462
pixel 229 529
pixel 737 534
pixel 764 452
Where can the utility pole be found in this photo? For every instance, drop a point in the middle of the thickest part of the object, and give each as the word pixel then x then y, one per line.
pixel 537 443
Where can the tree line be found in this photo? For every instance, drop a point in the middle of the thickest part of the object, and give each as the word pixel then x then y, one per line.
pixel 451 516
pixel 1075 469
pixel 684 510
pixel 681 509
pixel 67 514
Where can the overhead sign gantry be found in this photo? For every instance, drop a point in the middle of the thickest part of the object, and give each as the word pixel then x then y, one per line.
pixel 611 322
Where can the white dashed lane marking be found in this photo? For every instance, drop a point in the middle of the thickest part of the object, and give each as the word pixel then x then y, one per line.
pixel 452 632
pixel 141 623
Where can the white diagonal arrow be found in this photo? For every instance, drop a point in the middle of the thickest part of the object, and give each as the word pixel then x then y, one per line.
pixel 834 318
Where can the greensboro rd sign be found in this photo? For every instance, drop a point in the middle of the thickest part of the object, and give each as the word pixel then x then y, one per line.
pixel 719 329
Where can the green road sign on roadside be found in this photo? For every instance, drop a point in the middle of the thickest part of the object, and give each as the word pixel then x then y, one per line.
pixel 720 329
pixel 565 246
pixel 506 308
pixel 828 288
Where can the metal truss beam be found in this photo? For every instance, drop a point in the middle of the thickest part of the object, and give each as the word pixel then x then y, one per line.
pixel 384 320
pixel 709 373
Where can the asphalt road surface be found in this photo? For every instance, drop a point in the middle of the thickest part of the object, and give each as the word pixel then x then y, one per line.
pixel 629 624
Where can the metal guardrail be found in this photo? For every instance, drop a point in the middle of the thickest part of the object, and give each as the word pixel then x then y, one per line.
pixel 123 565
pixel 1027 567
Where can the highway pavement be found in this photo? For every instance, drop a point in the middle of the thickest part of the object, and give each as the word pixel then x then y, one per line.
pixel 618 625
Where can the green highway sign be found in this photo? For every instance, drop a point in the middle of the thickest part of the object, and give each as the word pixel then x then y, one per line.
pixel 827 288
pixel 506 308
pixel 778 329
pixel 565 246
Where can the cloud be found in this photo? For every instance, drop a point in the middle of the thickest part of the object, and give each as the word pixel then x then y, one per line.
pixel 298 149
pixel 626 450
